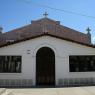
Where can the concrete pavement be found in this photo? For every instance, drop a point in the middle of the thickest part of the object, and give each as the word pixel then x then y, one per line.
pixel 50 91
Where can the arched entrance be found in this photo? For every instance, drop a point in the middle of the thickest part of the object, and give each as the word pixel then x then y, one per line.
pixel 45 67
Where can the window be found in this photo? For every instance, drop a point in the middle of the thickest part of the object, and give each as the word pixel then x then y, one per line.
pixel 10 64
pixel 82 63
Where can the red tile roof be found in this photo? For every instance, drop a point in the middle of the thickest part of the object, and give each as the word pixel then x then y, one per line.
pixel 44 26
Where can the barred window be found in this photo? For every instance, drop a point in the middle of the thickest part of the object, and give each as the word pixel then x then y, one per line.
pixel 82 63
pixel 10 64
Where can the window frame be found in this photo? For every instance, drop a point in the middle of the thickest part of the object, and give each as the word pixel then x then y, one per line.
pixel 87 67
pixel 10 56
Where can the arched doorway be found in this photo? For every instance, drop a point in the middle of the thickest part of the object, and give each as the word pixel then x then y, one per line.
pixel 45 67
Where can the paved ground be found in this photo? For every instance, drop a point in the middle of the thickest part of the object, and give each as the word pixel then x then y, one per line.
pixel 50 91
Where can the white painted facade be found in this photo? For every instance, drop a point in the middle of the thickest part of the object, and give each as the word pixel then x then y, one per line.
pixel 62 49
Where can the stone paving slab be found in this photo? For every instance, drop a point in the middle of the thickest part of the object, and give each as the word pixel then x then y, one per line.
pixel 51 91
pixel 2 90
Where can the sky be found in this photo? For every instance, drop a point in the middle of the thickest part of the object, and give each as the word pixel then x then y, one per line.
pixel 18 13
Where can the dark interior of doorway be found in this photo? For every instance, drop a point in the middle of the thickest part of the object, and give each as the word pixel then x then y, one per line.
pixel 45 67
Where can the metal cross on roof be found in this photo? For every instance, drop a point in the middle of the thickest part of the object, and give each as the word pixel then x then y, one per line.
pixel 45 14
pixel 88 29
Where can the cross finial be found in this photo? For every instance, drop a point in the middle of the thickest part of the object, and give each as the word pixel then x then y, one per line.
pixel 45 14
pixel 88 30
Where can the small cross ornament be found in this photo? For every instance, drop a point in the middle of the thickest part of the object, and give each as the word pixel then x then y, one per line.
pixel 45 14
pixel 88 30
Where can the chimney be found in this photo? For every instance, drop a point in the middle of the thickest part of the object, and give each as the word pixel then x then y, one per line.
pixel 32 21
pixel 58 22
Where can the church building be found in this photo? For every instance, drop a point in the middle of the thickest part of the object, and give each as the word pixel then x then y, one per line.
pixel 46 53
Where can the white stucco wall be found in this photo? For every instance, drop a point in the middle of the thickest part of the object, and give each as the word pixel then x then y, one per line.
pixel 62 51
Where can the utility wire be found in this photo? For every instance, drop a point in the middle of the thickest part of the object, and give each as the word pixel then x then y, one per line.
pixel 57 9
